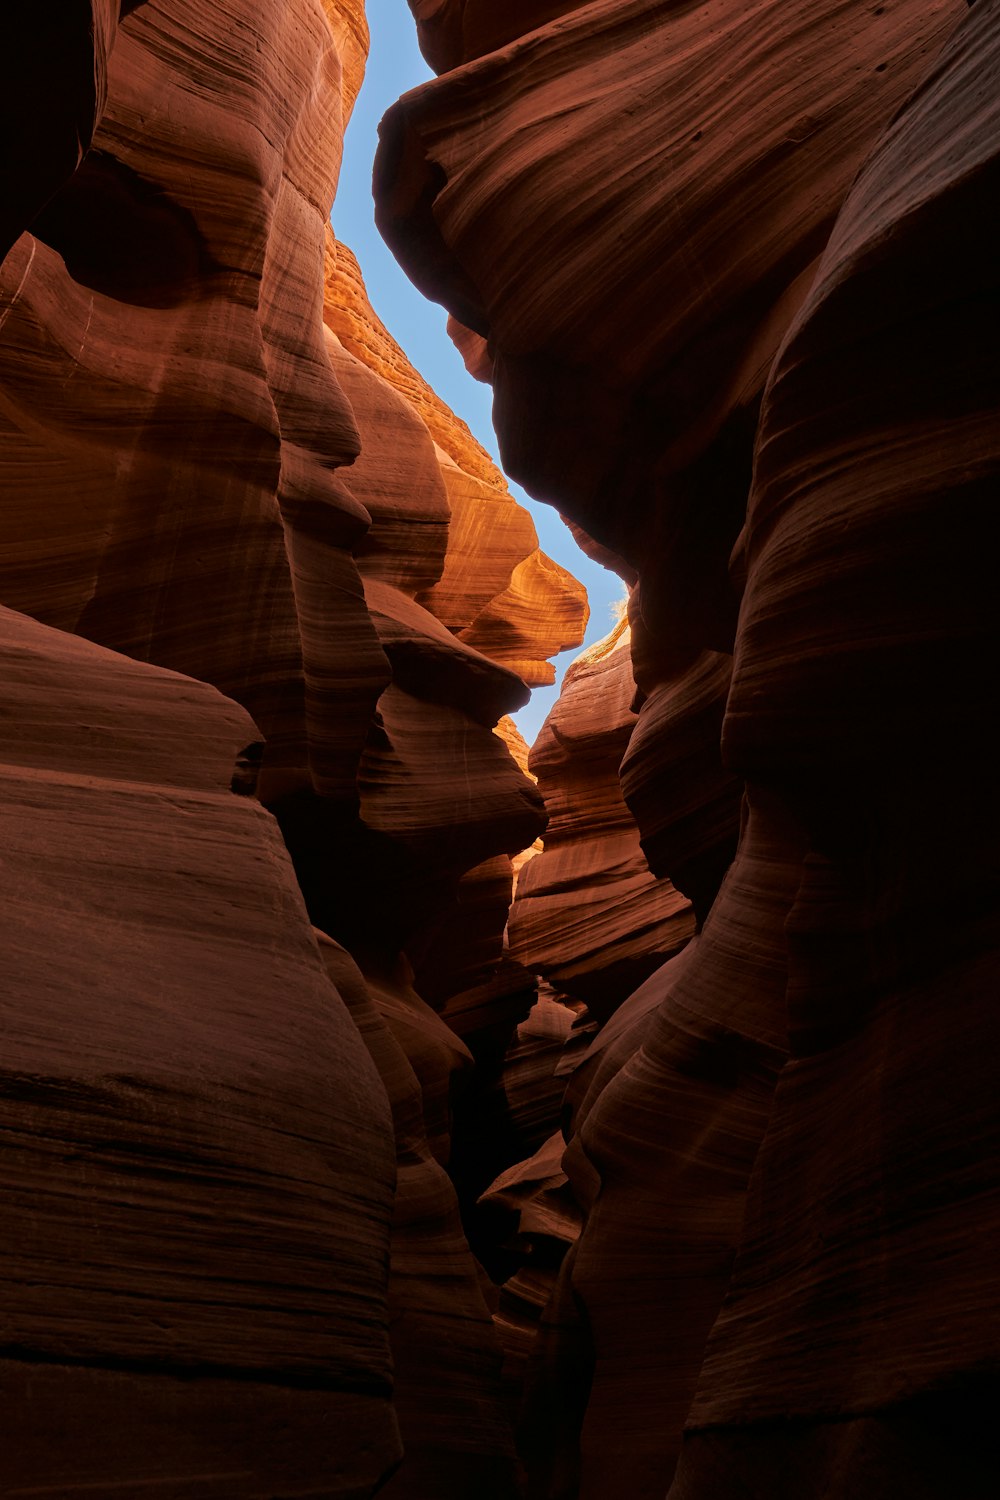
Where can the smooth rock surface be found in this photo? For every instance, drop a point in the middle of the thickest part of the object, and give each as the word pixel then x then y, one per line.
pixel 456 1431
pixel 200 472
pixel 197 1168
pixel 732 271
pixel 588 915
pixel 871 1321
pixel 615 136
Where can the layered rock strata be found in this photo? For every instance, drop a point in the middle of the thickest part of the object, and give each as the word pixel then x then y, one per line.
pixel 589 916
pixel 197 1167
pixel 203 477
pixel 455 1427
pixel 642 220
pixel 743 330
pixel 884 484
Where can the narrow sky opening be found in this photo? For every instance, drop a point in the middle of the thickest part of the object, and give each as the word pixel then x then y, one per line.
pixel 418 326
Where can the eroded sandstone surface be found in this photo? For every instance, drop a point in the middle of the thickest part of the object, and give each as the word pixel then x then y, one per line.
pixel 179 1149
pixel 326 1169
pixel 243 549
pixel 733 272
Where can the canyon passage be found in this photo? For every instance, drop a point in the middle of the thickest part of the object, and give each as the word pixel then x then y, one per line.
pixel 389 1106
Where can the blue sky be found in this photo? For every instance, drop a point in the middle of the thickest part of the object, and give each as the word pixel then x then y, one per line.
pixel 394 66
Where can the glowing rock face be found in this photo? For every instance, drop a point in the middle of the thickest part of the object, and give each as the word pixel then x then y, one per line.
pixel 177 430
pixel 743 329
pixel 588 915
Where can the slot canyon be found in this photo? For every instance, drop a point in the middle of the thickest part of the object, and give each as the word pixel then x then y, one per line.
pixel 387 1106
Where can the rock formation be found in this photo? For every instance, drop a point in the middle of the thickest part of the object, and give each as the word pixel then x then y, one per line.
pixel 589 915
pixel 209 490
pixel 877 468
pixel 733 272
pixel 197 1167
pixel 320 1177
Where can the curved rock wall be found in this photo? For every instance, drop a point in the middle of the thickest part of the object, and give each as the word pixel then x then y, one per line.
pixel 734 272
pixel 589 916
pixel 877 469
pixel 264 607
pixel 211 490
pixel 196 1147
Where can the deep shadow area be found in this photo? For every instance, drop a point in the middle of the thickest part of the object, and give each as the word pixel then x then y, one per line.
pixel 124 236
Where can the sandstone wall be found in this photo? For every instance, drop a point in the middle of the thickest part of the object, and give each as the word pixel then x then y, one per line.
pixel 234 548
pixel 733 271
pixel 264 606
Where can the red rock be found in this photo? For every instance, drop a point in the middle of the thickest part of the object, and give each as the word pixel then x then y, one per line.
pixel 549 1043
pixel 112 345
pixel 474 350
pixel 669 1107
pixel 453 31
pixel 436 666
pixel 464 951
pixel 548 1222
pixel 642 220
pixel 888 1105
pixel 447 1364
pixel 492 586
pixel 634 269
pixel 542 611
pixel 399 483
pixel 198 473
pixel 465 608
pixel 549 193
pixel 488 540
pixel 684 801
pixel 588 915
pixel 629 205
pixel 197 1179
pixel 348 313
pixel 445 791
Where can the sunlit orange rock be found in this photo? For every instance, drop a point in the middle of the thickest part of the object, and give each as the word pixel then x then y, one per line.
pixel 466 609
pixel 588 914
pixel 496 589
pixel 349 314
pixel 200 473
pixel 167 409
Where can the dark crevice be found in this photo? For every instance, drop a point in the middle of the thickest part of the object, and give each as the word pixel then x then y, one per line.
pixel 122 235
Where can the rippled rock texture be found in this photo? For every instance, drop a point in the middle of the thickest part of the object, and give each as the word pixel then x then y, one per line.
pixel 589 916
pixel 242 549
pixel 733 270
pixel 197 1157
pixel 265 605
